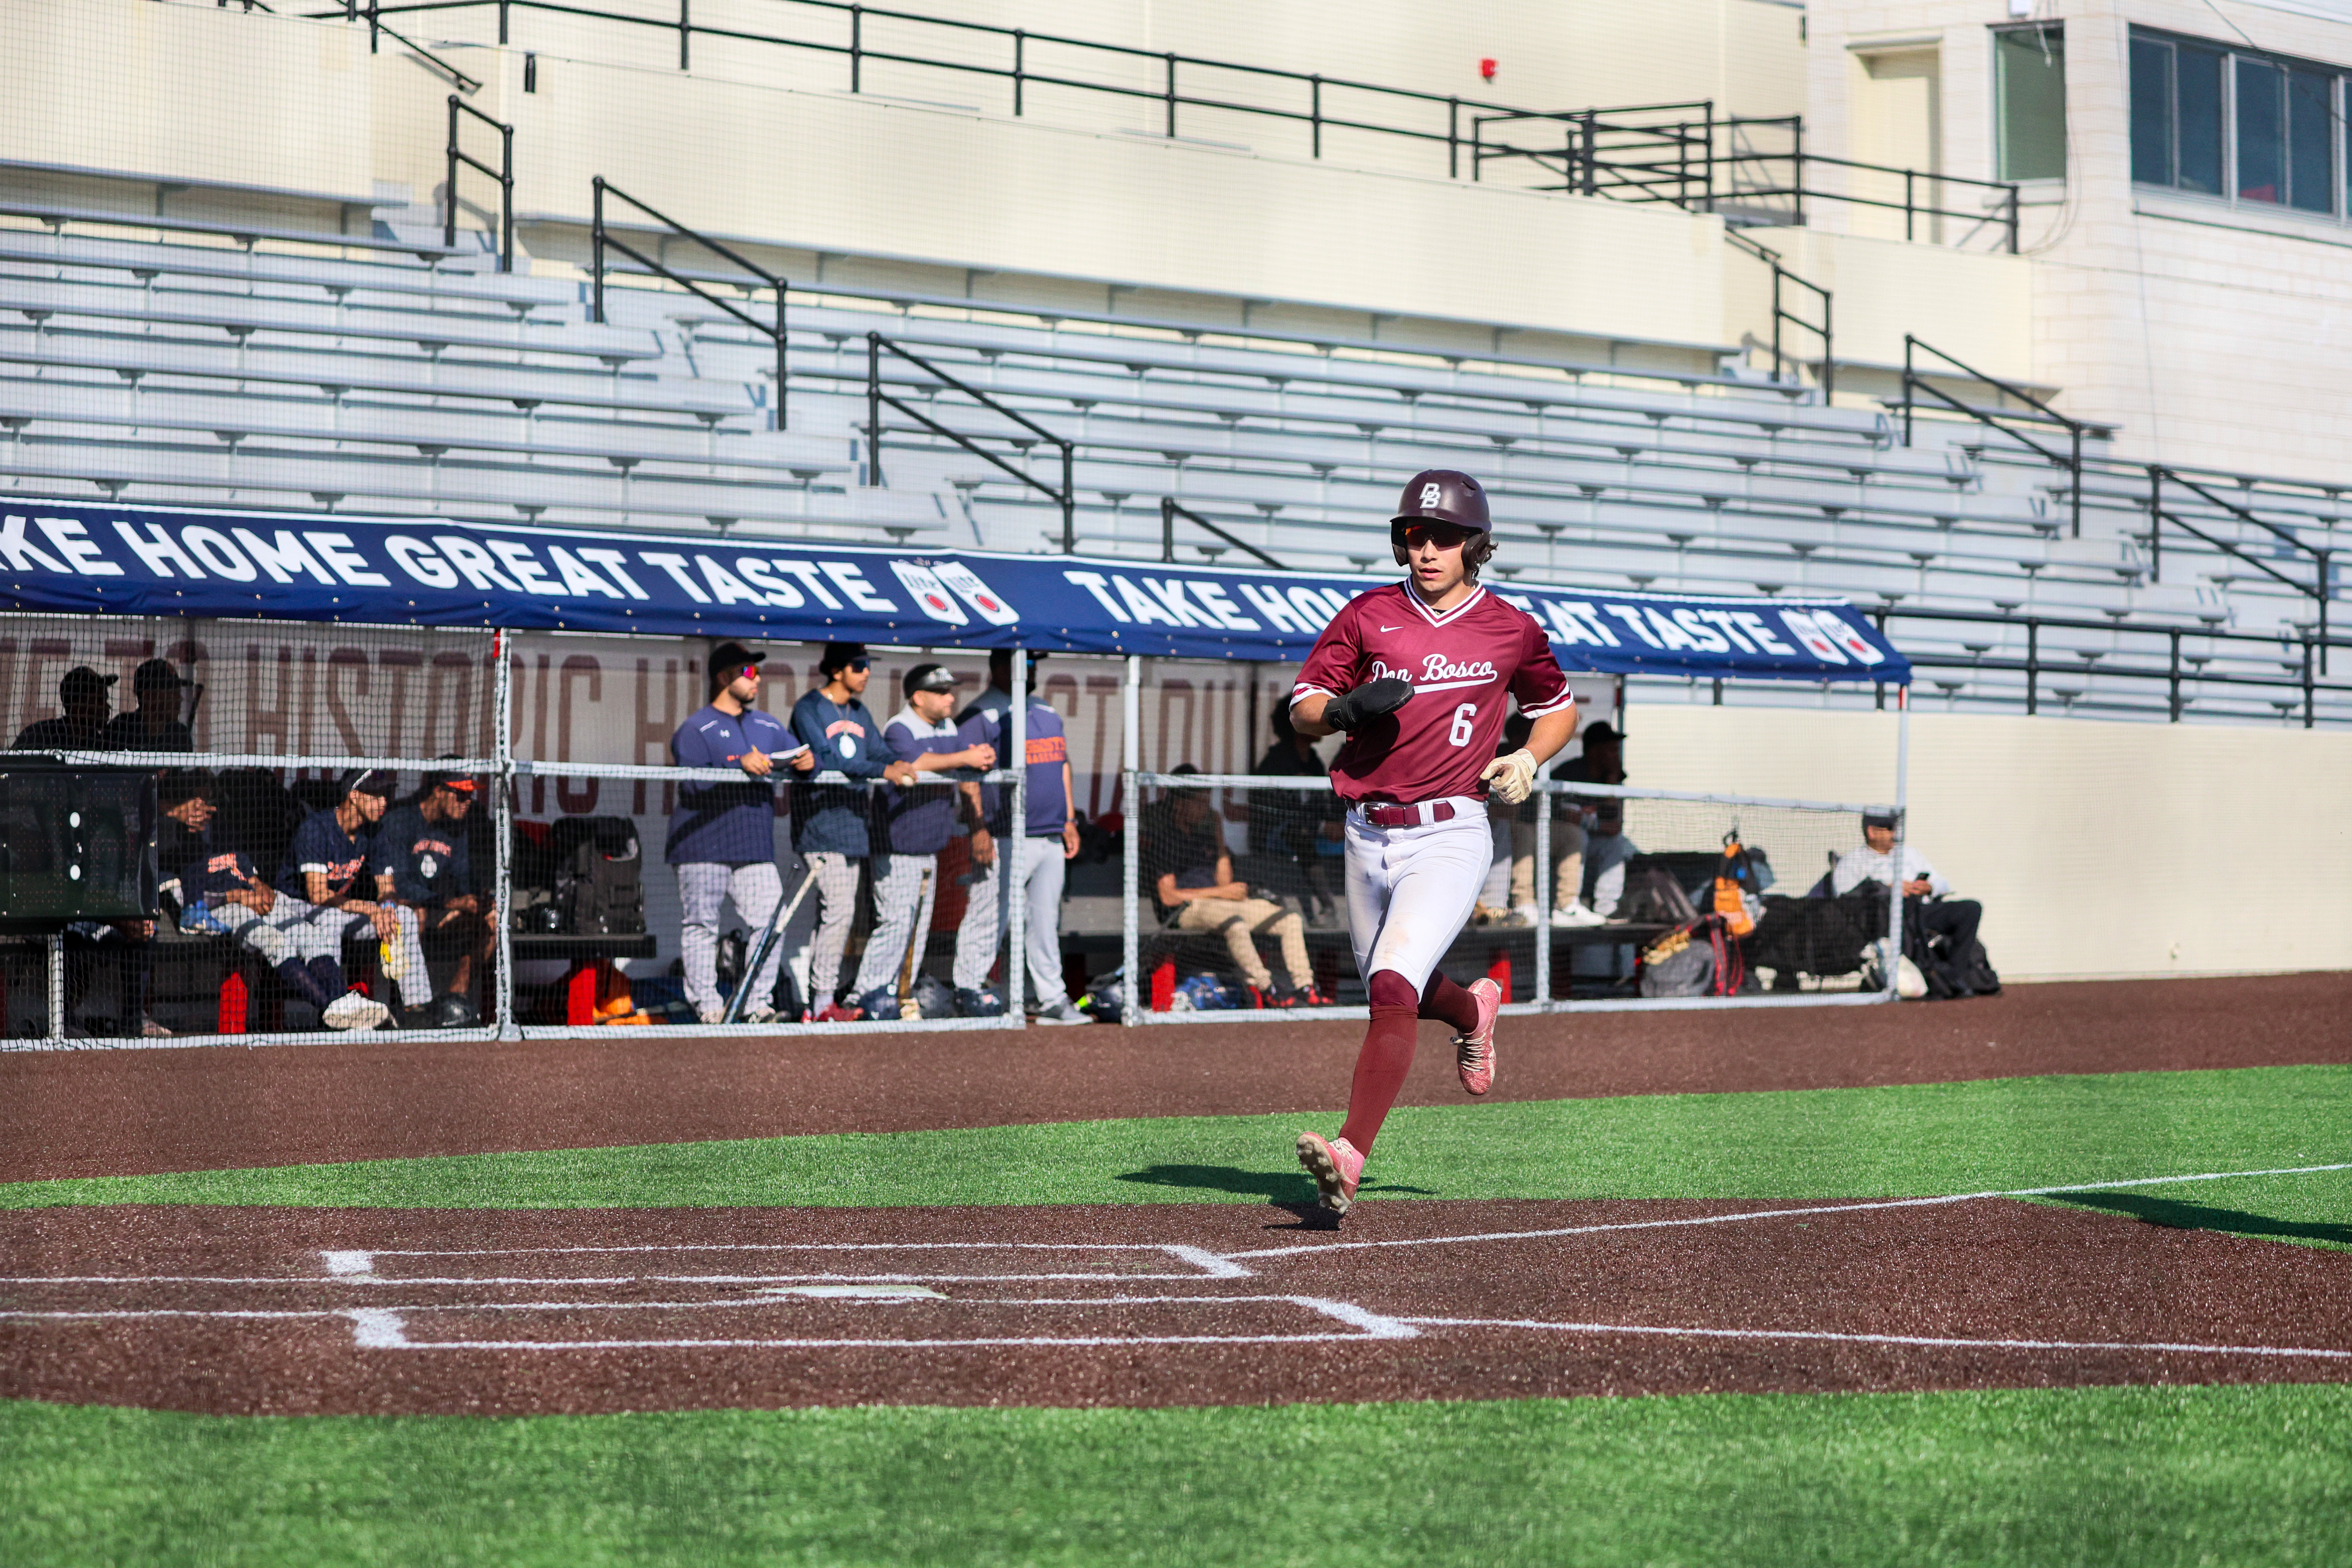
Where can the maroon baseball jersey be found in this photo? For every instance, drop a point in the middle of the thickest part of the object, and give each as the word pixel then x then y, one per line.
pixel 1462 663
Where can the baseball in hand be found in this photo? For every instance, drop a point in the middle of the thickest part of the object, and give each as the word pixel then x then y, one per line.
pixel 1509 778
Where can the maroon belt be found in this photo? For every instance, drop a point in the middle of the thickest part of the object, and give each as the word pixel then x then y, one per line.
pixel 1408 815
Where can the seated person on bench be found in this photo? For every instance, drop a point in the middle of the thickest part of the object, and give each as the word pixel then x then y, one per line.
pixel 1954 919
pixel 222 894
pixel 420 864
pixel 1191 874
pixel 323 868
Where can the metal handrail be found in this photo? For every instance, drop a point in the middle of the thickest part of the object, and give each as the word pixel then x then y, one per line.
pixel 875 398
pixel 601 237
pixel 1771 258
pixel 1312 114
pixel 2076 428
pixel 2318 589
pixel 2033 668
pixel 378 29
pixel 1170 509
pixel 503 175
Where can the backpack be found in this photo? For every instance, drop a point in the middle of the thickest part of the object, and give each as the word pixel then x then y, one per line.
pixel 1652 897
pixel 599 886
pixel 1736 882
pixel 1695 959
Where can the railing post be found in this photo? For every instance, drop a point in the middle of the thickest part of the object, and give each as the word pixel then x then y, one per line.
pixel 1797 179
pixel 1908 233
pixel 2033 665
pixel 874 408
pixel 1171 95
pixel 783 359
pixel 2013 220
pixel 857 45
pixel 1829 349
pixel 1020 45
pixel 2173 674
pixel 2076 432
pixel 1315 113
pixel 449 204
pixel 1591 154
pixel 685 33
pixel 596 248
pixel 502 21
pixel 2310 715
pixel 1478 149
pixel 1710 164
pixel 1907 342
pixel 1776 318
pixel 1069 501
pixel 506 198
pixel 1168 529
pixel 1453 139
pixel 2155 525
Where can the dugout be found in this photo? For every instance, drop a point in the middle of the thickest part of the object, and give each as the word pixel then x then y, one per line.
pixel 554 663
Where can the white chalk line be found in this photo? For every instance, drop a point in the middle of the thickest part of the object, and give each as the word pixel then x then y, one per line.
pixel 378 1281
pixel 1777 1213
pixel 1935 1341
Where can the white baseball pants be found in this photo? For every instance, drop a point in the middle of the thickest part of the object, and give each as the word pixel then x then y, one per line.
pixel 902 913
pixel 1411 890
pixel 702 887
pixel 836 908
pixel 1040 874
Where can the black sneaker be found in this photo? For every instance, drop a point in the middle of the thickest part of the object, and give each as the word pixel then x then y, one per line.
pixel 454 1012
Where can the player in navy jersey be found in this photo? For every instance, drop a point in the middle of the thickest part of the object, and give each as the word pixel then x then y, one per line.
pixel 1420 676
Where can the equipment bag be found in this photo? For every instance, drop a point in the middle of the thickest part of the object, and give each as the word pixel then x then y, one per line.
pixel 599 884
pixel 1652 897
pixel 1736 882
pixel 1700 959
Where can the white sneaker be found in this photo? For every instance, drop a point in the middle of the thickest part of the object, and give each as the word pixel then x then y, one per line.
pixel 712 1015
pixel 353 1011
pixel 760 1016
pixel 1569 916
pixel 1063 1011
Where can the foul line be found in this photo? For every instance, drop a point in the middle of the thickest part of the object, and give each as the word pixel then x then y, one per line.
pixel 1779 1214
pixel 1928 1340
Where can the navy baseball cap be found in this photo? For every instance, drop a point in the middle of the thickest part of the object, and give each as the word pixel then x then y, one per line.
pixel 927 677
pixel 369 781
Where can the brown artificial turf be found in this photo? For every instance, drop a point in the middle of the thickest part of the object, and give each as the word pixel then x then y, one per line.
pixel 133 1111
pixel 1980 1270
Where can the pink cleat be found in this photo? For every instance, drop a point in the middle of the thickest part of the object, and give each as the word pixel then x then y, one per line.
pixel 1474 1053
pixel 1336 1167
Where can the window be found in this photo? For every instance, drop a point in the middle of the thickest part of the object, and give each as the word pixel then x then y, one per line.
pixel 2251 128
pixel 2030 76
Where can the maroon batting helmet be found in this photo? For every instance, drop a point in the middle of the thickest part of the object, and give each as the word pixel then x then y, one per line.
pixel 1445 495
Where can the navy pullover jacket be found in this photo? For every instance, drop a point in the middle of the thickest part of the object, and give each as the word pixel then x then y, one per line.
pixel 835 819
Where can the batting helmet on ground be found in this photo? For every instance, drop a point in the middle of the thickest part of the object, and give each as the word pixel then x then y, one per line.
pixel 1445 495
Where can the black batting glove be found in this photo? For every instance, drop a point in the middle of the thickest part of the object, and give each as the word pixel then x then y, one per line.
pixel 1351 709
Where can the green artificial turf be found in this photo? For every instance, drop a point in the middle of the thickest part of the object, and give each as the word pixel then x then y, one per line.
pixel 1910 1140
pixel 2147 1477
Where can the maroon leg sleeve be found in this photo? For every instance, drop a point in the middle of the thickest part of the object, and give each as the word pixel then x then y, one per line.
pixel 1386 1058
pixel 1449 1003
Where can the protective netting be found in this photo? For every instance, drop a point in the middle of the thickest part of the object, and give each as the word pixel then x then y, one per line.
pixel 1240 897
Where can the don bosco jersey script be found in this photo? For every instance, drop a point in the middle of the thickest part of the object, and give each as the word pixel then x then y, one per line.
pixel 1465 664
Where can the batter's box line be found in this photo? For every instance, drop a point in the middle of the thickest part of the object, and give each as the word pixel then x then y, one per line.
pixel 1930 1340
pixel 1746 1215
pixel 383 1328
pixel 359 1266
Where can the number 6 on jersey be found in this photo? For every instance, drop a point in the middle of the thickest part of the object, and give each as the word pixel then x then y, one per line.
pixel 1464 717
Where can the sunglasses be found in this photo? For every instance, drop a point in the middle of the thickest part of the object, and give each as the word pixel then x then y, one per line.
pixel 860 665
pixel 1444 535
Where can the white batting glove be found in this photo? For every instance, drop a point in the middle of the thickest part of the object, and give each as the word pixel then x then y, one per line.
pixel 1508 779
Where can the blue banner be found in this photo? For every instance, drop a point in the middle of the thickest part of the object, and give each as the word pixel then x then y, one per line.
pixel 154 561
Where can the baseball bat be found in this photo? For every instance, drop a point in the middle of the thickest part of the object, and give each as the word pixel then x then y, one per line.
pixel 778 918
pixel 916 939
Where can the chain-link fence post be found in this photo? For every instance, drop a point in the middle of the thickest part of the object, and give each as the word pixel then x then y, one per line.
pixel 1902 831
pixel 1544 802
pixel 57 957
pixel 1137 993
pixel 502 818
pixel 1013 848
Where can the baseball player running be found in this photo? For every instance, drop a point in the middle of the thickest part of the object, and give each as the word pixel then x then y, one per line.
pixel 1419 676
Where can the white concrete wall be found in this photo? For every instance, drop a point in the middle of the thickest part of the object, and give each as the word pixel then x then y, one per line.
pixel 2210 335
pixel 2097 849
pixel 171 92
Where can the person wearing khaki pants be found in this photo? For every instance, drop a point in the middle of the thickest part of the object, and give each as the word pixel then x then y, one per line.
pixel 1191 872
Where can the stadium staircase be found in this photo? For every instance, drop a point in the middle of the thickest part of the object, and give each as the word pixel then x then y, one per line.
pixel 224 367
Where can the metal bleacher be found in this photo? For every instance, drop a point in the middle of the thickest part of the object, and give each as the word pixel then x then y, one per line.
pixel 205 368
